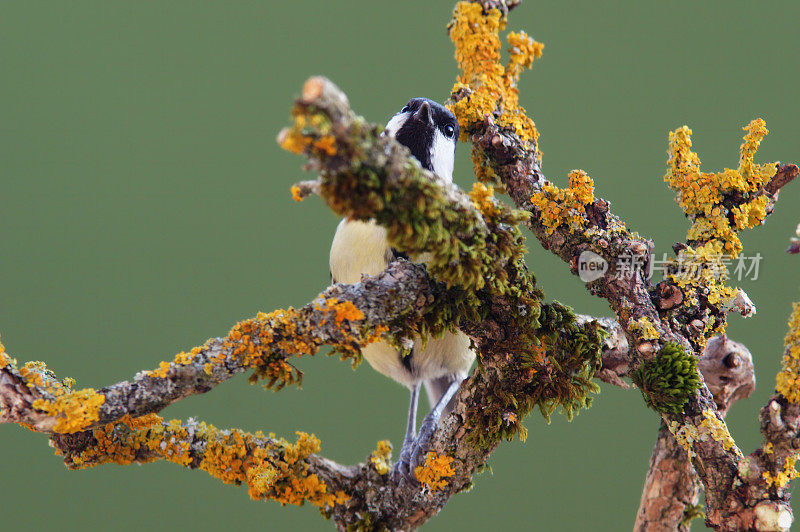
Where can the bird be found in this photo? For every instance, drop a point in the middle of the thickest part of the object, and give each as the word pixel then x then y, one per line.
pixel 430 132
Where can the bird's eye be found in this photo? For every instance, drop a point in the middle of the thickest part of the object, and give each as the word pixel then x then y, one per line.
pixel 404 109
pixel 449 131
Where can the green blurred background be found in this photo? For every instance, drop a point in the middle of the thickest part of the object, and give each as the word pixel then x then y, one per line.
pixel 145 207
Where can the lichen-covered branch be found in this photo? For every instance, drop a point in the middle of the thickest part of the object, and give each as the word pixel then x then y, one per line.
pixel 344 316
pixel 670 498
pixel 271 468
pixel 573 220
pixel 531 354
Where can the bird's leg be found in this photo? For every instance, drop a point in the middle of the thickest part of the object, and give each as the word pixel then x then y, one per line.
pixel 430 423
pixel 402 464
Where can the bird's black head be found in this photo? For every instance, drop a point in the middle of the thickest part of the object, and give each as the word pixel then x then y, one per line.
pixel 430 131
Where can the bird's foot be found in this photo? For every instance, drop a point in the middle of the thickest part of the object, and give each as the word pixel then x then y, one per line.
pixel 423 442
pixel 413 453
pixel 402 468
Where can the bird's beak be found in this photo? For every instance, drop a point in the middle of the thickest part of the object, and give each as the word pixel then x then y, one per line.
pixel 423 114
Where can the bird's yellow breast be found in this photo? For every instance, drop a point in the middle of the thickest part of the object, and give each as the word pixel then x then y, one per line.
pixel 358 248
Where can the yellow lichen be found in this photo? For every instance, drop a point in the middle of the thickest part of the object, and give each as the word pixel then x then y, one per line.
pixel 482 197
pixel 712 426
pixel 713 236
pixel 437 467
pixel 781 478
pixel 297 194
pixel 491 87
pixel 381 458
pixel 685 435
pixel 788 380
pixel 565 206
pixel 181 359
pixel 644 329
pixel 74 411
pixel 261 479
pixel 701 194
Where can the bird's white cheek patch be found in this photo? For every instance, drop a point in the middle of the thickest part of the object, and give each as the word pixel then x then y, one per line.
pixel 395 124
pixel 443 156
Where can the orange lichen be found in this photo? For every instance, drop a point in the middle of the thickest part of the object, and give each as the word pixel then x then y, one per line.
pixel 271 469
pixel 326 144
pixel 490 88
pixel 781 478
pixel 33 373
pixel 437 467
pixel 74 411
pixel 788 380
pixel 4 359
pixel 345 310
pixel 309 133
pixel 264 342
pixel 147 420
pixel 565 206
pixel 293 141
pixel 381 457
pixel 297 194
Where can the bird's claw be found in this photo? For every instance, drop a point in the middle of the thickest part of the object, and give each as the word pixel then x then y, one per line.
pixel 412 455
pixel 422 444
pixel 402 468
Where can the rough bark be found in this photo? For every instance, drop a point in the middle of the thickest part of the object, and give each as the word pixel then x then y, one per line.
pixel 671 494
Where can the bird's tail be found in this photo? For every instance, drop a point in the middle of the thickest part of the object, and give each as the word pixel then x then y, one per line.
pixel 436 388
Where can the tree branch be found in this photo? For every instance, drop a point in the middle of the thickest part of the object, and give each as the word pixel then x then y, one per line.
pixel 344 316
pixel 572 221
pixel 531 354
pixel 670 498
pixel 271 468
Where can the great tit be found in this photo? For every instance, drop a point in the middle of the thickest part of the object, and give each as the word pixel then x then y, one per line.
pixel 430 131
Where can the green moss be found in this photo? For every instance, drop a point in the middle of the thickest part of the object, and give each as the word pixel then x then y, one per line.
pixel 574 350
pixel 551 367
pixel 362 178
pixel 369 523
pixel 668 380
pixel 692 512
